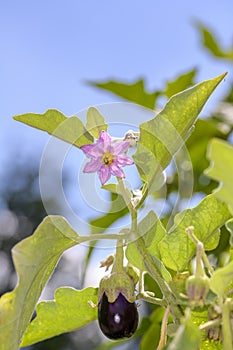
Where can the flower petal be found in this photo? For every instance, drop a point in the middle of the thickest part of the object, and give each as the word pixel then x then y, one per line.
pixel 123 160
pixel 115 170
pixel 104 174
pixel 93 151
pixel 105 140
pixel 120 147
pixel 104 137
pixel 93 166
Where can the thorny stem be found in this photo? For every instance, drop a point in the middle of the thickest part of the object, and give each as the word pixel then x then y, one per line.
pixel 148 261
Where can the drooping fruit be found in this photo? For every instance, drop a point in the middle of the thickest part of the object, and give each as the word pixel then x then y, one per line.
pixel 118 319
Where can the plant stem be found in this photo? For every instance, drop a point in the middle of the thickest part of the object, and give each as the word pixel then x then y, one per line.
pixel 163 334
pixel 119 257
pixel 190 231
pixel 148 261
pixel 226 326
pixel 210 324
pixel 144 296
pixel 155 273
pixel 99 236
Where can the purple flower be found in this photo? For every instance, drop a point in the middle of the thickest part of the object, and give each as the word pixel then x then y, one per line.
pixel 107 157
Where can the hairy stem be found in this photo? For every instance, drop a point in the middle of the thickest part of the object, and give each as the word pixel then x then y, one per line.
pixel 148 261
pixel 226 325
pixel 119 257
pixel 163 334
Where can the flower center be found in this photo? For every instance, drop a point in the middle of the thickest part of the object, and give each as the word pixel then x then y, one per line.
pixel 107 158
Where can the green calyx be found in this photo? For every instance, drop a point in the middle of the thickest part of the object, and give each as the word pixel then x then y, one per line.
pixel 197 288
pixel 116 283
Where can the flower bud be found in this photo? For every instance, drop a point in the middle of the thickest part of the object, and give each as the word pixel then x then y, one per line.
pixel 197 288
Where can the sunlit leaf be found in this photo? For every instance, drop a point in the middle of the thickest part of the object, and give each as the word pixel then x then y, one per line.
pixel 221 278
pixel 199 317
pixel 220 154
pixel 69 311
pixel 152 231
pixel 162 136
pixel 205 130
pixel 210 42
pixel 55 123
pixel 35 258
pixel 176 248
pixel 95 122
pixel 181 83
pixel 187 337
pixel 134 92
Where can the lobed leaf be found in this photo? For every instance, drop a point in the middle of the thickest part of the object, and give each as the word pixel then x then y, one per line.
pixel 69 311
pixel 220 154
pixel 134 92
pixel 55 123
pixel 181 83
pixel 176 248
pixel 210 42
pixel 162 136
pixel 35 259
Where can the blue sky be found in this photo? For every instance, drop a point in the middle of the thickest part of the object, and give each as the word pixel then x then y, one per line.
pixel 49 48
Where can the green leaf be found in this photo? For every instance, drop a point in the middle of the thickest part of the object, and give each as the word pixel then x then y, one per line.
pixel 162 136
pixel 95 122
pixel 117 210
pixel 199 317
pixel 220 154
pixel 134 92
pixel 176 248
pixel 152 231
pixel 211 44
pixel 197 144
pixel 187 337
pixel 221 278
pixel 55 123
pixel 35 259
pixel 69 311
pixel 181 83
pixel 151 335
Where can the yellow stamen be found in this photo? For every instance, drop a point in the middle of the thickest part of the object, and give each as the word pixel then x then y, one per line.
pixel 107 158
